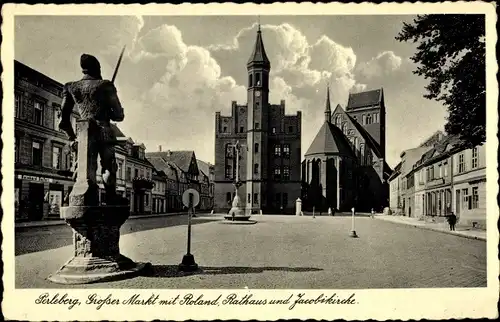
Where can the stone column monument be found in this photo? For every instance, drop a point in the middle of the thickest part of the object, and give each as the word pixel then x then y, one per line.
pixel 96 227
pixel 237 212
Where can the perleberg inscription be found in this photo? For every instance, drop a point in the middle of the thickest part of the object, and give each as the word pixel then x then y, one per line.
pixel 195 299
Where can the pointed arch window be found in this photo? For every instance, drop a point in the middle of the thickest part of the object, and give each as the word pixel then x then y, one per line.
pixel 250 80
pixel 256 148
pixel 257 79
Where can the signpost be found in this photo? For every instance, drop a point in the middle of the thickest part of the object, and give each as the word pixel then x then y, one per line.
pixel 190 198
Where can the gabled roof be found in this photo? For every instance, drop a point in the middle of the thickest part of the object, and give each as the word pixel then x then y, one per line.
pixel 363 99
pixel 259 53
pixel 396 172
pixel 116 130
pixel 204 167
pixel 181 159
pixel 374 146
pixel 330 140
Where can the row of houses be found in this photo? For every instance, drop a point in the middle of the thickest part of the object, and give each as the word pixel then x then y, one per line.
pixel 441 177
pixel 43 174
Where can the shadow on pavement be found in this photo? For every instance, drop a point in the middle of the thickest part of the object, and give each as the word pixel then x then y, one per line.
pixel 170 271
pixel 236 222
pixel 35 239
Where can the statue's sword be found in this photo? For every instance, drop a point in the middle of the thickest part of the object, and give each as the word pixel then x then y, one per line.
pixel 118 65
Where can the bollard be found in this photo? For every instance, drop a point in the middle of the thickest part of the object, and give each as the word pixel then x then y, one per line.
pixel 353 229
pixel 314 215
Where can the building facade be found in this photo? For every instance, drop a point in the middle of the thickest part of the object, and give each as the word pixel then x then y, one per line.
pixel 43 160
pixel 206 179
pixel 269 160
pixel 158 193
pixel 447 178
pixel 42 154
pixel 345 165
pixel 183 166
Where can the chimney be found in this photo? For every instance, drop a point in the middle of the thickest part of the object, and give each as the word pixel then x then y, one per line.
pixel 159 148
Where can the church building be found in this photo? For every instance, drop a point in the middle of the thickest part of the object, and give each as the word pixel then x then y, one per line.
pixel 345 165
pixel 269 157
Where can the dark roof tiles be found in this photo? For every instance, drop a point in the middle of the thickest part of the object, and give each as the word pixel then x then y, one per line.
pixel 363 99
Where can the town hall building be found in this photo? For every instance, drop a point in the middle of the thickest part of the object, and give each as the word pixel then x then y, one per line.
pixel 270 154
pixel 345 165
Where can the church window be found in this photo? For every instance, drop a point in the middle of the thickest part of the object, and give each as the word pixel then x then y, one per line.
pixel 257 79
pixel 338 119
pixel 375 118
pixel 369 119
pixel 250 79
pixel 257 126
pixel 256 147
pixel 224 129
pixel 241 129
pixel 363 119
pixel 277 150
pixel 256 168
pixel 344 128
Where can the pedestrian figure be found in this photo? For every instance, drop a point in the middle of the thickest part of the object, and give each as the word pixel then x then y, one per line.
pixel 372 213
pixel 452 220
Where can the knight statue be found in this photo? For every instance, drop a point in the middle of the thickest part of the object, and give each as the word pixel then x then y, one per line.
pixel 97 101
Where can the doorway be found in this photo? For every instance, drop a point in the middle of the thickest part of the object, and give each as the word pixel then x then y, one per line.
pixel 36 196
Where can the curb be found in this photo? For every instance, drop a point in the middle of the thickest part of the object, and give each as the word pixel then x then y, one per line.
pixel 435 229
pixel 62 222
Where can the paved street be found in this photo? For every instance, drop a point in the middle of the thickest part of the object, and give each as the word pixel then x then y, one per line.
pixel 285 252
pixel 35 239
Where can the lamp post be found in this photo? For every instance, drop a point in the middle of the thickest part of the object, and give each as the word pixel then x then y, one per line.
pixel 353 230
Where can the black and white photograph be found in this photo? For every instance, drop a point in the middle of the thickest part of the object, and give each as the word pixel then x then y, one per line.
pixel 277 162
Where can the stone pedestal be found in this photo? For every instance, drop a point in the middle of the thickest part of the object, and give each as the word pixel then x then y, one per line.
pixel 237 212
pixel 96 228
pixel 96 238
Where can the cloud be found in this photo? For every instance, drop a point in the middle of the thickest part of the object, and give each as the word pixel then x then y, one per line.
pixel 300 70
pixel 175 90
pixel 383 64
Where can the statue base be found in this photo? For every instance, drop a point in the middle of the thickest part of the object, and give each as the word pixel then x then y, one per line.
pixel 96 236
pixel 237 214
pixel 353 234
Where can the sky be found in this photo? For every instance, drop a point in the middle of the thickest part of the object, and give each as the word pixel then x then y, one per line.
pixel 179 70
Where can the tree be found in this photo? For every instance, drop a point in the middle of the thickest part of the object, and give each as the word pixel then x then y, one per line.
pixel 451 53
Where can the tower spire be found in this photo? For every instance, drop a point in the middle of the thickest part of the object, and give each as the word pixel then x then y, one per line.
pixel 258 56
pixel 328 109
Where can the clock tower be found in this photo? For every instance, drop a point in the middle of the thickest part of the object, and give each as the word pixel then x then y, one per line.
pixel 258 68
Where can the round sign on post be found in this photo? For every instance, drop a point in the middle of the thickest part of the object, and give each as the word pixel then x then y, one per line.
pixel 196 197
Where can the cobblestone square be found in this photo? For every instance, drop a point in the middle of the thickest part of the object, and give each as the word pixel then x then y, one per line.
pixel 286 252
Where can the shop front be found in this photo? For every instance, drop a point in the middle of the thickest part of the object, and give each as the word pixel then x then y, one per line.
pixel 39 197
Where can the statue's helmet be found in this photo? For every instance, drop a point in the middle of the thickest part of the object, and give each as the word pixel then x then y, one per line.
pixel 90 65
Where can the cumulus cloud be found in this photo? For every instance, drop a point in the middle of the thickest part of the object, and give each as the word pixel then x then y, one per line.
pixel 383 64
pixel 300 69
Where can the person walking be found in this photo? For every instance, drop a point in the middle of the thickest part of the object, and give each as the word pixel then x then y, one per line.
pixel 452 220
